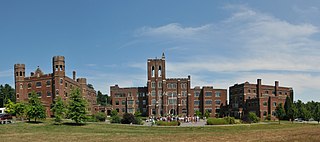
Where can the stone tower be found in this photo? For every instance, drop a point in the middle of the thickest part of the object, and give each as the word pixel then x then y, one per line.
pixel 19 75
pixel 58 76
pixel 156 85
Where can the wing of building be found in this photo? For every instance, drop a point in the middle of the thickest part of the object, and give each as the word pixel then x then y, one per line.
pixel 50 85
pixel 163 96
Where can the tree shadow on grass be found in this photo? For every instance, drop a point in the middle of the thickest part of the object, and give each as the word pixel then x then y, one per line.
pixel 73 124
pixel 33 122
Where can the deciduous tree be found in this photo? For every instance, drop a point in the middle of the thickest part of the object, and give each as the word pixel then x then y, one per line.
pixel 58 110
pixel 77 107
pixel 35 109
pixel 280 112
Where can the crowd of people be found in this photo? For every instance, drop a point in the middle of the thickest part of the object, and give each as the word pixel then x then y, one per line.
pixel 169 118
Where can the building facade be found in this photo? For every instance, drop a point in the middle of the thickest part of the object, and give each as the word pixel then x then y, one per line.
pixel 163 96
pixel 49 86
pixel 257 98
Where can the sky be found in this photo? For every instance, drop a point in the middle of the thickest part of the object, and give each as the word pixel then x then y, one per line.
pixel 218 43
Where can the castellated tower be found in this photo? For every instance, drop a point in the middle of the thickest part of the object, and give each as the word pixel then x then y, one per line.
pixel 58 76
pixel 19 75
pixel 156 85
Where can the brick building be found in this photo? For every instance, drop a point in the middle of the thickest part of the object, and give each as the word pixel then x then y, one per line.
pixel 48 86
pixel 257 98
pixel 164 96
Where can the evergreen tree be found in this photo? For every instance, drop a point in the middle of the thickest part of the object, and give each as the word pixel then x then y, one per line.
pixel 280 113
pixel 6 93
pixel 35 109
pixel 316 115
pixel 290 109
pixel 77 107
pixel 101 99
pixel 58 110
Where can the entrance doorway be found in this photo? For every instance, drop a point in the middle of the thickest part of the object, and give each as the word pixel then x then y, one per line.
pixel 173 112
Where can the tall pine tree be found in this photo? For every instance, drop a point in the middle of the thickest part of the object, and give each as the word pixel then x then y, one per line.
pixel 77 107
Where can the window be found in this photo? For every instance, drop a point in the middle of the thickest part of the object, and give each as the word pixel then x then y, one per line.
pixel 130 110
pixel 174 85
pixel 196 93
pixel 39 94
pixel 48 83
pixel 183 102
pixel 17 96
pixel 218 102
pixel 208 94
pixel 196 103
pixel 123 102
pixel 130 102
pixel 153 111
pixel 265 104
pixel 21 86
pixel 153 93
pixel 174 94
pixel 29 95
pixel 48 94
pixel 183 86
pixel 123 110
pixel 117 102
pixel 209 110
pixel 264 113
pixel 129 94
pixel 275 104
pixel 160 93
pixel 184 110
pixel 159 71
pixel 29 85
pixel 144 110
pixel 274 113
pixel 117 110
pixel 159 84
pixel 152 71
pixel 61 81
pixel 144 102
pixel 153 102
pixel 184 93
pixel 153 85
pixel 57 92
pixel 137 102
pixel 172 101
pixel 208 102
pixel 218 94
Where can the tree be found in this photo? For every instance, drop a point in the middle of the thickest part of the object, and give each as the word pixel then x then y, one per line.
pixel 9 107
pixel 252 117
pixel 77 107
pixel 114 113
pixel 101 99
pixel 58 110
pixel 207 114
pixel 290 109
pixel 198 113
pixel 90 86
pixel 306 114
pixel 6 93
pixel 20 110
pixel 35 109
pixel 280 112
pixel 316 115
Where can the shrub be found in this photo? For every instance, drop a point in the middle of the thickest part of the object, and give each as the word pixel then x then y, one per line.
pixel 91 118
pixel 164 123
pixel 217 121
pixel 128 118
pixel 100 116
pixel 115 119
pixel 251 118
pixel 230 120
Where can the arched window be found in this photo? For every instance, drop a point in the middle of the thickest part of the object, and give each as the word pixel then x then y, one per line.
pixel 159 71
pixel 20 73
pixel 152 71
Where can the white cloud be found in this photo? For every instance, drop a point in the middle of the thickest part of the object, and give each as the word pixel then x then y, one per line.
pixel 248 42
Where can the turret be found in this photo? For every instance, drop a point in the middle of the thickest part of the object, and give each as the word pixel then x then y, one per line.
pixel 58 66
pixel 19 75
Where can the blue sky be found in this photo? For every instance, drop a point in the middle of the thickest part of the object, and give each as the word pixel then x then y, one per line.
pixel 218 43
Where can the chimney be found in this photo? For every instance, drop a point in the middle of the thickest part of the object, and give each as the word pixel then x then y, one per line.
pixel 74 75
pixel 276 88
pixel 32 74
pixel 259 88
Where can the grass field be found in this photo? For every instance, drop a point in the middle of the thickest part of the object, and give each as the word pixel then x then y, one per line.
pixel 25 132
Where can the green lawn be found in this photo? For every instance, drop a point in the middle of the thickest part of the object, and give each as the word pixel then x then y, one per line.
pixel 105 132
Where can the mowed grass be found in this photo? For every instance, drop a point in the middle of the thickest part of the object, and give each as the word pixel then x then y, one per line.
pixel 95 132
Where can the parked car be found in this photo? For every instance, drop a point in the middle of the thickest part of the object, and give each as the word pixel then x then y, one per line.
pixel 298 119
pixel 5 116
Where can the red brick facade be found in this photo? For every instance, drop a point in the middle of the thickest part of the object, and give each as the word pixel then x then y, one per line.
pixel 48 86
pixel 257 98
pixel 164 96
